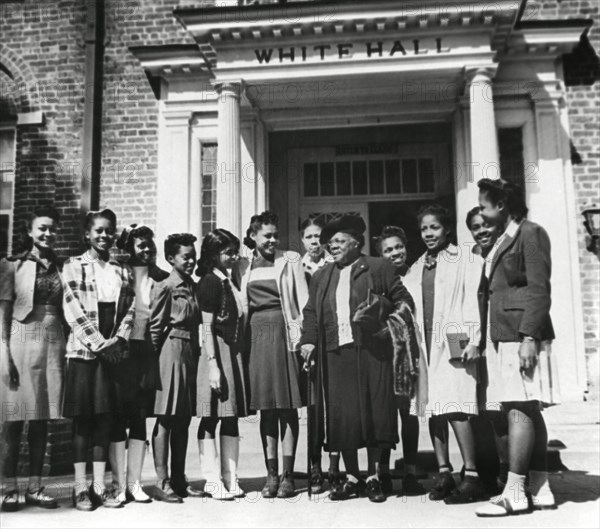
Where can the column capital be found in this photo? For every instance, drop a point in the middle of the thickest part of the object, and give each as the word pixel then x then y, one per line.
pixel 230 88
pixel 480 73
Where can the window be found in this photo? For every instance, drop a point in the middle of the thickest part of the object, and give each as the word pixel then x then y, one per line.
pixel 369 177
pixel 7 188
pixel 512 165
pixel 208 168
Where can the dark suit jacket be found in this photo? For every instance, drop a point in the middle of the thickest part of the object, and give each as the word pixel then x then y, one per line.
pixel 384 280
pixel 518 288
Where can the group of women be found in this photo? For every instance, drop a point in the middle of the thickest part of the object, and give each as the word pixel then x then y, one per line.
pixel 251 336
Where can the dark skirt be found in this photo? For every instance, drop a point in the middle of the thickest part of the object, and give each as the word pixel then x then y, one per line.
pixel 88 386
pixel 274 371
pixel 135 381
pixel 178 366
pixel 361 405
pixel 231 401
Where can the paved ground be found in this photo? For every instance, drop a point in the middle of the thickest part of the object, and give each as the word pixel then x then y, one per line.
pixel 577 489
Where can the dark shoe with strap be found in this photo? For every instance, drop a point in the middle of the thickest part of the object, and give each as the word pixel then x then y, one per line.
pixel 317 481
pixel 470 490
pixel 287 486
pixel 110 499
pixel 443 487
pixel 39 499
pixel 10 501
pixel 374 492
pixel 387 485
pixel 271 486
pixel 348 489
pixel 166 493
pixel 411 486
pixel 183 489
pixel 82 501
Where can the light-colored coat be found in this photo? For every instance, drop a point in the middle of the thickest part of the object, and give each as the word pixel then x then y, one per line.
pixel 292 287
pixel 449 386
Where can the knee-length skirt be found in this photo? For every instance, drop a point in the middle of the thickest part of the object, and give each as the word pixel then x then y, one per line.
pixel 506 383
pixel 231 400
pixel 178 367
pixel 38 350
pixel 274 371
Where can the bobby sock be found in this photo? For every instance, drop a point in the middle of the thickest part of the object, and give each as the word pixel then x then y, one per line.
pixel 444 469
pixel 514 490
pixel 80 477
pixel 99 471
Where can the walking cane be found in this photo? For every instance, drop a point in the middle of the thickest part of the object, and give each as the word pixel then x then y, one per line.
pixel 308 368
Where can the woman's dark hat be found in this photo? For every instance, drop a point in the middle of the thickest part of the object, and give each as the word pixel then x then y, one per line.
pixel 351 224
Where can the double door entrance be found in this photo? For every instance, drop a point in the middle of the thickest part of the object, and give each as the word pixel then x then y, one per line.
pixel 384 183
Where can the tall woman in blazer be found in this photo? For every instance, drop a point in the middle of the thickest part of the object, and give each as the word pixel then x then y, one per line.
pixel 99 307
pixel 517 287
pixel 446 302
pixel 274 292
pixel 32 358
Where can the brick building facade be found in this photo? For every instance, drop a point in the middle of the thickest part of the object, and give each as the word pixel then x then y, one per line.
pixel 43 95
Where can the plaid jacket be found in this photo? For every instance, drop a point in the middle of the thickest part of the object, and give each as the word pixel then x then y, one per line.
pixel 80 304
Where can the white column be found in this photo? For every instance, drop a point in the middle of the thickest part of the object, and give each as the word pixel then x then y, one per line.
pixel 484 138
pixel 551 202
pixel 229 194
pixel 173 184
pixel 475 144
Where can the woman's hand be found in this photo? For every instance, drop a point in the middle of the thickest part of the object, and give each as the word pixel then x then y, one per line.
pixel 528 356
pixel 8 371
pixel 470 353
pixel 307 351
pixel 214 375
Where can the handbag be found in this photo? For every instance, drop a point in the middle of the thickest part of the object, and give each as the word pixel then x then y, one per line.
pixel 371 314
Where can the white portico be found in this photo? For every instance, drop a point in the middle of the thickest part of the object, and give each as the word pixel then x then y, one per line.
pixel 370 108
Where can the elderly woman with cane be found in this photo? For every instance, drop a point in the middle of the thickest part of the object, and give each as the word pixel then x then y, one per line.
pixel 355 364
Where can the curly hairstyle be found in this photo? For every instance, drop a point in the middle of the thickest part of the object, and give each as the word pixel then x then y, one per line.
pixel 130 233
pixel 443 215
pixel 24 242
pixel 387 232
pixel 510 194
pixel 175 241
pixel 213 244
pixel 256 223
pixel 91 217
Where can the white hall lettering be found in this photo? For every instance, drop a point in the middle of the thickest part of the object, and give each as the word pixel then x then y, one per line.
pixel 343 51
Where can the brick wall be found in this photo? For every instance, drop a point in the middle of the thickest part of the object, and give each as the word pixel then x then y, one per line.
pixel 583 99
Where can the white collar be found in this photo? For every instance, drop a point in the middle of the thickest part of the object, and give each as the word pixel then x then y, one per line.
pixel 220 274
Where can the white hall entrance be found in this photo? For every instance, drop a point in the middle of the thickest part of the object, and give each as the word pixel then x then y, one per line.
pixel 384 174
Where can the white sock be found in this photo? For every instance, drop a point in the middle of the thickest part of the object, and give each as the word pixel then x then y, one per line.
pixel 374 476
pixel 444 468
pixel 99 471
pixel 35 483
pixel 80 477
pixel 514 490
pixel 351 478
pixel 539 484
pixel 471 473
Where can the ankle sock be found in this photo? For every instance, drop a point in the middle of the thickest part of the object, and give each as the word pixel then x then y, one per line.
pixel 370 478
pixel 471 474
pixel 80 477
pixel 445 469
pixel 99 471
pixel 514 490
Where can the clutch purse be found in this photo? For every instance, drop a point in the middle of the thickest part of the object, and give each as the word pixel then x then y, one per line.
pixel 372 314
